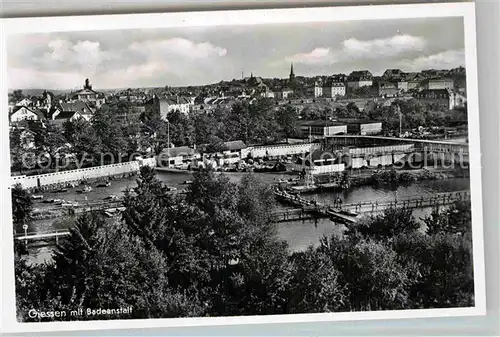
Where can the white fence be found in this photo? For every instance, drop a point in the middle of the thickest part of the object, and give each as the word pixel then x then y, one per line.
pixel 375 161
pixel 279 150
pixel 325 169
pixel 79 174
pixel 381 149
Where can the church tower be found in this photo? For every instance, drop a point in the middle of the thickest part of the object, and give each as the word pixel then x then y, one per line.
pixel 292 75
pixel 87 85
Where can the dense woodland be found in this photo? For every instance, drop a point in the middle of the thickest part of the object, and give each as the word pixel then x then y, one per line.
pixel 215 252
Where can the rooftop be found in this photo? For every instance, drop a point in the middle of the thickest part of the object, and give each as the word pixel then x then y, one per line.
pixel 235 145
pixel 178 151
pixel 357 121
pixel 320 123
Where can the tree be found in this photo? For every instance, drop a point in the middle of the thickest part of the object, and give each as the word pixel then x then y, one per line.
pixel 261 282
pixel 49 142
pixel 444 275
pixel 17 95
pixel 154 134
pixel 457 219
pixel 22 205
pixel 204 127
pixel 86 143
pixel 110 133
pixel 21 143
pixel 316 285
pixel 181 128
pixel 392 222
pixel 287 118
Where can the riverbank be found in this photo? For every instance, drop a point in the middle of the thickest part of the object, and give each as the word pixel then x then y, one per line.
pixel 392 176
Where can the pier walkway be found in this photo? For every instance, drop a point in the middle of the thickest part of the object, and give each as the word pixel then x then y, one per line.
pixel 310 209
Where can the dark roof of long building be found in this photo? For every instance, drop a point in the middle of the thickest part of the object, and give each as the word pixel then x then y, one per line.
pixel 235 145
pixel 320 123
pixel 75 106
pixel 358 121
pixel 360 75
pixel 177 151
pixel 65 114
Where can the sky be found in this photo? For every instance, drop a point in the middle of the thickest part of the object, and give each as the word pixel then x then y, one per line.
pixel 203 55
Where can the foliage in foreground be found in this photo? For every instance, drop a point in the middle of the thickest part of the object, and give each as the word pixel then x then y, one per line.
pixel 215 252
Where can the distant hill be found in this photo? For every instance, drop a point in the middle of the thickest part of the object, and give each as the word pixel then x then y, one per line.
pixel 39 92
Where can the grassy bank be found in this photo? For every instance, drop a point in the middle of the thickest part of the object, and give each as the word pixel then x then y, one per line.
pixel 392 176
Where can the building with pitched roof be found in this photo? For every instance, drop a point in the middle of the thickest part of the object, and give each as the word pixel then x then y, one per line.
pixel 393 74
pixel 334 86
pixel 437 83
pixel 360 78
pixel 87 94
pixel 26 113
pixel 441 98
pixel 165 104
pixel 388 89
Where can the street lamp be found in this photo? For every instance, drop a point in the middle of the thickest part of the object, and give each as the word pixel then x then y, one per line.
pixel 168 139
pixel 400 121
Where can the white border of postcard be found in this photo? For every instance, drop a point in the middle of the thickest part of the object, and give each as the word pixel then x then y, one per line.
pixel 247 17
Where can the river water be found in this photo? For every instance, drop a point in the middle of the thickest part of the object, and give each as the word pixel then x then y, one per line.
pixel 298 234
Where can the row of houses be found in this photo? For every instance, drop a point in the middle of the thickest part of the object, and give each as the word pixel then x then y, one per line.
pixel 57 114
pixel 392 83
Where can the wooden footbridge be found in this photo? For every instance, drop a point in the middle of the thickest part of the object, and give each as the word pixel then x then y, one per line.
pixel 42 236
pixel 305 209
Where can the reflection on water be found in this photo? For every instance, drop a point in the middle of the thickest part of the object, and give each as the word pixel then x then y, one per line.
pixel 299 234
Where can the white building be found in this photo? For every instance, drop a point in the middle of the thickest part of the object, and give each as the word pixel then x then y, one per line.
pixel 24 113
pixel 318 88
pixel 285 93
pixel 358 79
pixel 165 105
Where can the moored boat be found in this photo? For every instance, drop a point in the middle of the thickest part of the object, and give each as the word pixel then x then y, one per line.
pixel 349 213
pixel 112 197
pixel 37 197
pixel 85 189
pixel 104 184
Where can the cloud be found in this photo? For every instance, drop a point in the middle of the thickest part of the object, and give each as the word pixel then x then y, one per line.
pixel 178 47
pixel 81 56
pixel 442 60
pixel 386 47
pixel 316 56
pixel 353 49
pixel 45 64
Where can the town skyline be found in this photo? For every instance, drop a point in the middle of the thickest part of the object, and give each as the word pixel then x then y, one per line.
pixel 78 87
pixel 204 56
